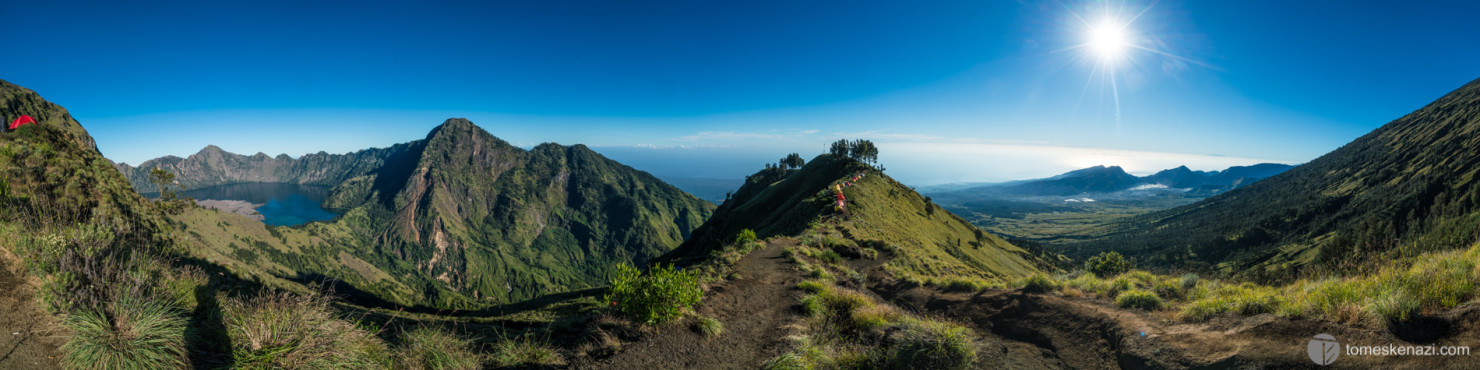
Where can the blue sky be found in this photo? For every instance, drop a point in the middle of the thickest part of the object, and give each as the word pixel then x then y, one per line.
pixel 952 91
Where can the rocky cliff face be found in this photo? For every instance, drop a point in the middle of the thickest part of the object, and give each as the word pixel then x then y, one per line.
pixel 213 166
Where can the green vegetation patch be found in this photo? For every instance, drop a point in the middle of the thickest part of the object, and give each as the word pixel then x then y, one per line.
pixel 654 298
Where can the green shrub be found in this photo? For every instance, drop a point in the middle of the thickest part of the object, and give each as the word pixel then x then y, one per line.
pixel 811 286
pixel 655 298
pixel 745 237
pixel 1039 283
pixel 709 326
pixel 139 334
pixel 932 345
pixel 870 253
pixel 1107 264
pixel 427 348
pixel 1189 281
pixel 283 330
pixel 1137 298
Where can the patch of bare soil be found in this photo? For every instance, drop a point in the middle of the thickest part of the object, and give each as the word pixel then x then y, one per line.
pixel 753 308
pixel 1030 331
pixel 27 335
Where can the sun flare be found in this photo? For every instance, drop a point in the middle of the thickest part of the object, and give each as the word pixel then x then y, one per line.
pixel 1108 40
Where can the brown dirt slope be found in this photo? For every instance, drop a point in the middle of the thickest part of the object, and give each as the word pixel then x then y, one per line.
pixel 1051 331
pixel 27 335
pixel 752 308
pixel 1030 331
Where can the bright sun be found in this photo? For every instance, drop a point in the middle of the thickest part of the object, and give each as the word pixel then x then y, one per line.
pixel 1108 40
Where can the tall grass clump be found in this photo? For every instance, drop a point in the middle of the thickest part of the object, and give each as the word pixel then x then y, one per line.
pixel 1039 283
pixel 127 333
pixel 964 285
pixel 428 348
pixel 811 286
pixel 1139 299
pixel 931 344
pixel 284 330
pixel 709 327
pixel 830 256
pixel 812 306
pixel 655 298
pixel 526 352
pixel 1189 281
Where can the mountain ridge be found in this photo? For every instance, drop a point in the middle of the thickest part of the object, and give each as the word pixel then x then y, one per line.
pixel 1404 188
pixel 1102 179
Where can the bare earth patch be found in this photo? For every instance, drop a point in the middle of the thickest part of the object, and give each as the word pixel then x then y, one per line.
pixel 234 206
pixel 28 337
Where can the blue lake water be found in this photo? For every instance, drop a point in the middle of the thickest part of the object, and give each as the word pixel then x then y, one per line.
pixel 282 204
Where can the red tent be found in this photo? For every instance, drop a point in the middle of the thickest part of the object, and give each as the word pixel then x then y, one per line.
pixel 24 119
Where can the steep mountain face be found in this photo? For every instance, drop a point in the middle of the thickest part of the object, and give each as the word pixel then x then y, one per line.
pixel 492 222
pixel 1407 187
pixel 927 239
pixel 16 101
pixel 52 174
pixel 213 166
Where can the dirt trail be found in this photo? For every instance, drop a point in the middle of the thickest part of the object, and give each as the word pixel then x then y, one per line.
pixel 1049 331
pixel 752 308
pixel 26 338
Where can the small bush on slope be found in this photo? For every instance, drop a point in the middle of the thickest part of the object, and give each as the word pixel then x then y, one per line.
pixel 655 298
pixel 709 326
pixel 427 348
pixel 1139 299
pixel 525 352
pixel 926 344
pixel 1039 283
pixel 129 333
pixel 282 330
pixel 1107 264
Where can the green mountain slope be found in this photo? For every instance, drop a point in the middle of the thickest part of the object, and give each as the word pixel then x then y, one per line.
pixel 1407 187
pixel 922 238
pixel 52 172
pixel 462 219
pixel 495 221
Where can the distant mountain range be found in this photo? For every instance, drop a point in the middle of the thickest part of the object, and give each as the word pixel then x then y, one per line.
pixel 212 166
pixel 1409 186
pixel 1101 179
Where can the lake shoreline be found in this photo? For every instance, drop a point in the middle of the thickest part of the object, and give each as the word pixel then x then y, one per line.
pixel 243 208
